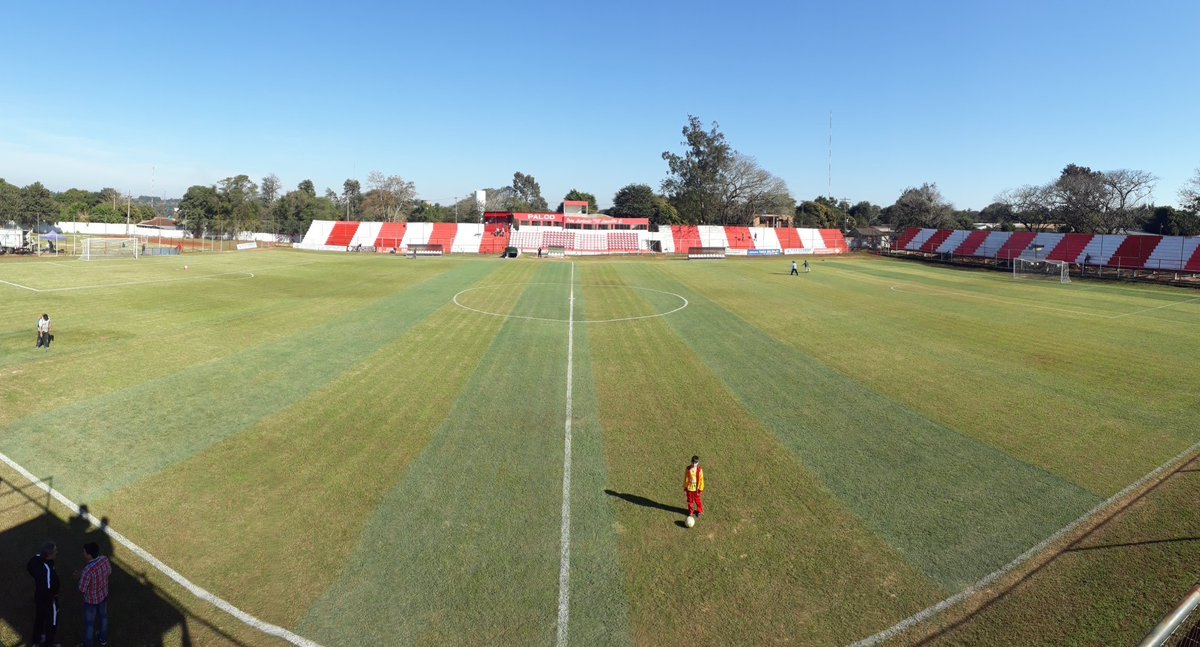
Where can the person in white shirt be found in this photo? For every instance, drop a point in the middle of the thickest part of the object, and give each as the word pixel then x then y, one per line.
pixel 43 328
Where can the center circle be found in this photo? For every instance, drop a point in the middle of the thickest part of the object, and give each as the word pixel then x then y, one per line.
pixel 675 302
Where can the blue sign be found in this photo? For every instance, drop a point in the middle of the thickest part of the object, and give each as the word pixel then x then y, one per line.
pixel 764 252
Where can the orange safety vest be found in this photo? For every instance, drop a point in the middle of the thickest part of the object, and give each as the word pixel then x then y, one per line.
pixel 693 480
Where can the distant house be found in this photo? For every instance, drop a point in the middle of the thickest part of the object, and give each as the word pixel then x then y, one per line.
pixel 770 220
pixel 875 238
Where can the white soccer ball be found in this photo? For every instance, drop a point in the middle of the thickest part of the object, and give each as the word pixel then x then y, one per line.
pixel 691 521
pixel 185 267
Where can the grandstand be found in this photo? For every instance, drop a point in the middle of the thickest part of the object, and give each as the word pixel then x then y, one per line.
pixel 577 235
pixel 1119 251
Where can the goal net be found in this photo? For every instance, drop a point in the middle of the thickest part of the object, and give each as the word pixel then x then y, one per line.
pixel 95 249
pixel 1179 628
pixel 1024 268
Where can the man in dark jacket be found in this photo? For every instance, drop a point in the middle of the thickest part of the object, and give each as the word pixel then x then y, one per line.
pixel 45 594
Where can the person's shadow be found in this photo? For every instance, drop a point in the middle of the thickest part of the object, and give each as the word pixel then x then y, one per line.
pixel 141 613
pixel 646 503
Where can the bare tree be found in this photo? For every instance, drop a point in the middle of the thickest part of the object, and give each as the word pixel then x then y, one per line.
pixel 1189 195
pixel 1125 190
pixel 1032 206
pixel 748 189
pixel 389 198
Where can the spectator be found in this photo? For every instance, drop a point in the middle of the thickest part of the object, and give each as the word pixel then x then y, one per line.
pixel 45 594
pixel 93 584
pixel 43 330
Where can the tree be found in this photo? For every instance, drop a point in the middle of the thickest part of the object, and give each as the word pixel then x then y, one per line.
pixel 1169 221
pixel 296 210
pixel 1080 195
pixel 747 189
pixel 579 196
pixel 822 213
pixel 640 201
pixel 390 198
pixel 865 214
pixel 199 209
pixel 527 194
pixel 921 206
pixel 10 202
pixel 1126 191
pixel 352 197
pixel 1033 207
pixel 241 204
pixel 996 213
pixel 633 201
pixel 268 190
pixel 498 199
pixel 37 204
pixel 694 185
pixel 1189 195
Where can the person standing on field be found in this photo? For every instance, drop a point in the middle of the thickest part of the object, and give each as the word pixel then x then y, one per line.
pixel 794 272
pixel 93 584
pixel 43 330
pixel 45 594
pixel 693 485
pixel 806 268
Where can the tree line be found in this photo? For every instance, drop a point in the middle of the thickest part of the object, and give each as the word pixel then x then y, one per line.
pixel 708 182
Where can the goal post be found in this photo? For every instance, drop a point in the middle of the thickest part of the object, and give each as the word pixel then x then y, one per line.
pixel 95 249
pixel 1023 268
pixel 1179 627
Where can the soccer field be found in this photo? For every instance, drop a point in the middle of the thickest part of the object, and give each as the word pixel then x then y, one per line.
pixel 373 449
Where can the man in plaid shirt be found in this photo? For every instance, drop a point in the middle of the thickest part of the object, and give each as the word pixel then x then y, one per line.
pixel 93 584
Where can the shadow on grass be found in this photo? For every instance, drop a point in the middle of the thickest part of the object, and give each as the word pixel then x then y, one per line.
pixel 140 613
pixel 1148 542
pixel 646 503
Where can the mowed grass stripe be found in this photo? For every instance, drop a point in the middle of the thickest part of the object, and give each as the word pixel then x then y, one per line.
pixel 1070 394
pixel 776 557
pixel 957 508
pixel 115 338
pixel 599 605
pixel 152 425
pixel 465 549
pixel 331 458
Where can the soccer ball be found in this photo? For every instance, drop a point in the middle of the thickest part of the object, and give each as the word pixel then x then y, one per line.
pixel 185 267
pixel 691 521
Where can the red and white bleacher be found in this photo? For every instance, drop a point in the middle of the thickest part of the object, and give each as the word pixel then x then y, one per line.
pixel 1125 251
pixel 472 238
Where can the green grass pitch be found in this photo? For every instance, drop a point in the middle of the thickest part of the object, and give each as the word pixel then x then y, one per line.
pixel 370 449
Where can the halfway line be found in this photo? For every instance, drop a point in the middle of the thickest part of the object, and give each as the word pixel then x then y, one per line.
pixel 564 568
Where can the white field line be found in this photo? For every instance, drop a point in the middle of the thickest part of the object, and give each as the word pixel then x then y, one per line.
pixel 18 285
pixel 930 612
pixel 1168 305
pixel 249 620
pixel 564 567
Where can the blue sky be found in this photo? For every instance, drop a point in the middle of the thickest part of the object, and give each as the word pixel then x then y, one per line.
pixel 978 97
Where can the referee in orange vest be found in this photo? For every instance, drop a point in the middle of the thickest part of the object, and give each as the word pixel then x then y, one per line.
pixel 693 484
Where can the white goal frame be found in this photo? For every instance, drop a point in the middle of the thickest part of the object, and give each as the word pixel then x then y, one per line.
pixel 1041 269
pixel 95 249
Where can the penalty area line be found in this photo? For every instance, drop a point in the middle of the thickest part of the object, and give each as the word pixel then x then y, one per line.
pixel 564 567
pixel 1104 506
pixel 247 619
pixel 18 285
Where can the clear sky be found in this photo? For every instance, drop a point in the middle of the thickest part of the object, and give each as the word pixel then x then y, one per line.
pixel 977 97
